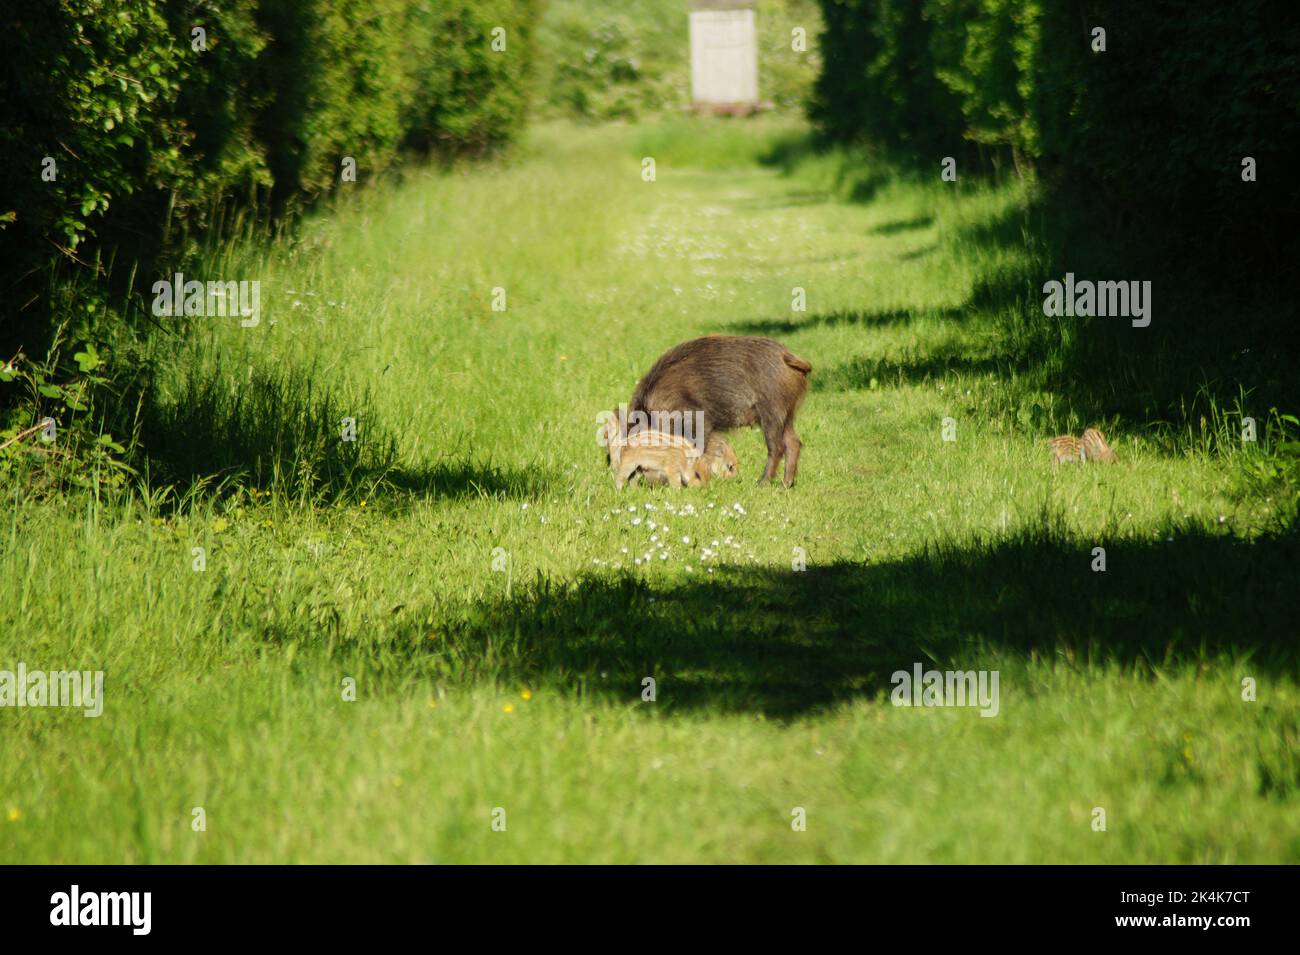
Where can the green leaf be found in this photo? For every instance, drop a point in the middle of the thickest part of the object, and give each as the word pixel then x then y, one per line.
pixel 87 359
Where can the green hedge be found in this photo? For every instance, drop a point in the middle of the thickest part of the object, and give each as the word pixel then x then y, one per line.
pixel 1156 125
pixel 879 82
pixel 149 134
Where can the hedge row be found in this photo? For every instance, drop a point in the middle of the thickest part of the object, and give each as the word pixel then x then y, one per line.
pixel 121 119
pixel 1158 123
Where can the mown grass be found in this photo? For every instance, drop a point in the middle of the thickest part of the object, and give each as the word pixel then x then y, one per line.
pixel 521 687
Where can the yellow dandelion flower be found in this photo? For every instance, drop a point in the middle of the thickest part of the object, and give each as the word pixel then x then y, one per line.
pixel 14 814
pixel 526 695
pixel 508 708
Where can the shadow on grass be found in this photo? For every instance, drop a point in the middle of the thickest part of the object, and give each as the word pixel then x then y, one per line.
pixel 792 199
pixel 865 186
pixel 467 479
pixel 1214 330
pixel 1219 328
pixel 786 643
pixel 275 428
pixel 859 373
pixel 787 152
pixel 865 319
pixel 280 431
pixel 915 254
pixel 903 225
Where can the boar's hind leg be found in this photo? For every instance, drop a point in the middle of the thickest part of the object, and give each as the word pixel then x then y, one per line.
pixel 774 435
pixel 792 448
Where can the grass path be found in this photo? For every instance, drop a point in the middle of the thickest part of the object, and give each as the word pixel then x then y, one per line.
pixel 520 688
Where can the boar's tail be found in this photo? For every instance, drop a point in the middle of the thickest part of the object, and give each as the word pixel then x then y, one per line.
pixel 797 363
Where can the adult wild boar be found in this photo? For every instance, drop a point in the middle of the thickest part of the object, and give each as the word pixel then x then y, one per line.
pixel 735 381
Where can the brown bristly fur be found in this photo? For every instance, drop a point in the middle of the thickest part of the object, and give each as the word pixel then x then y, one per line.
pixel 1065 449
pixel 1092 447
pixel 660 464
pixel 736 381
pixel 1096 448
pixel 719 458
